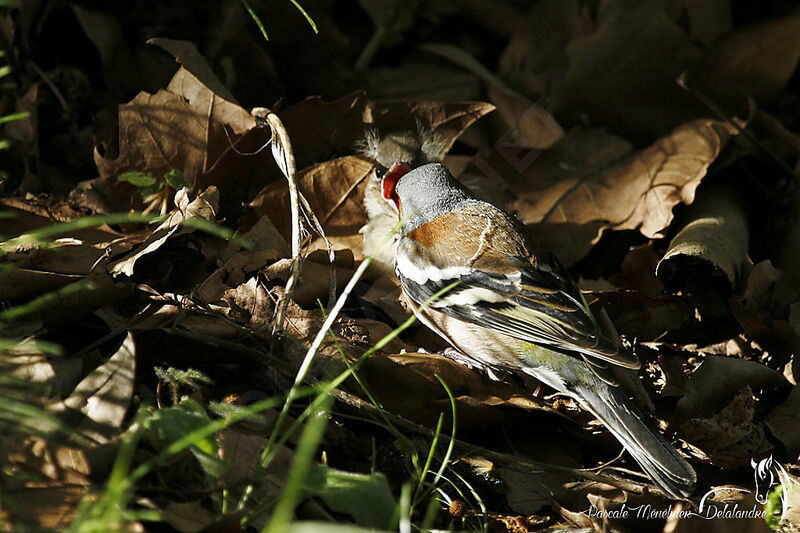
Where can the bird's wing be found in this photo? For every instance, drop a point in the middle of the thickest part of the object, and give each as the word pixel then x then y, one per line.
pixel 499 287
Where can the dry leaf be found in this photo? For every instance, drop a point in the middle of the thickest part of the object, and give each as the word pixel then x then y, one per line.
pixel 636 193
pixel 239 265
pixel 763 57
pixel 187 517
pixel 60 373
pixel 204 207
pixel 623 73
pixel 527 493
pixel 638 271
pixel 715 238
pixel 531 125
pixel 103 396
pixel 334 190
pixel 706 393
pixel 571 190
pixel 421 81
pixel 196 82
pixel 48 506
pixel 241 452
pixel 730 438
pixel 315 278
pixel 763 310
pixel 406 384
pixel 783 422
pixel 158 133
pixel 54 462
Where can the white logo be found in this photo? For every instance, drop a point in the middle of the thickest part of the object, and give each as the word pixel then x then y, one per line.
pixel 767 474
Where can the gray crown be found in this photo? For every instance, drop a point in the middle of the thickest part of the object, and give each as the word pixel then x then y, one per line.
pixel 427 192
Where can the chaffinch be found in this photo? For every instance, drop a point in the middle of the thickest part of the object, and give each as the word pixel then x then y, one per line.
pixel 511 311
pixel 396 152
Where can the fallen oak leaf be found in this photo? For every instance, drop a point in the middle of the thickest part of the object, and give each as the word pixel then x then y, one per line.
pixel 197 83
pixel 158 132
pixel 638 192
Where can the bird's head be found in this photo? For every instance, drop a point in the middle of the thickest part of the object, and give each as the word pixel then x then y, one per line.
pixel 424 193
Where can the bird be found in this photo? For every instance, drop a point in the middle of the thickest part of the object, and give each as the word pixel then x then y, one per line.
pixel 395 150
pixel 511 310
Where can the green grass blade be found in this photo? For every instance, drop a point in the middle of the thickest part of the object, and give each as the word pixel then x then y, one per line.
pixel 256 19
pixel 298 472
pixel 450 447
pixel 306 15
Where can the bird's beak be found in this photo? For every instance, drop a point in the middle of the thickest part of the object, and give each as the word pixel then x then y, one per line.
pixel 389 183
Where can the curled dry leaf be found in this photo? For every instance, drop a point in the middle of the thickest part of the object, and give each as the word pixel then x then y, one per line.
pixel 715 239
pixel 204 207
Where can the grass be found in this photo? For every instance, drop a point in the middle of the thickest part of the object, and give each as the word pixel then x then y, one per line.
pixel 112 506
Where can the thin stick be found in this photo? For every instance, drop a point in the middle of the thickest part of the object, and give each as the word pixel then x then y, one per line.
pixel 284 157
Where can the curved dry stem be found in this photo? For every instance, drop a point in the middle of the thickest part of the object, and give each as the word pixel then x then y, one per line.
pixel 284 157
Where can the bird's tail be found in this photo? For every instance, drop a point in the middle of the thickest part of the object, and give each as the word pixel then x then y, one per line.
pixel 654 454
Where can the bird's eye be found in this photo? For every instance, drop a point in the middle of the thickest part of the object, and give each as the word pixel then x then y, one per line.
pixel 380 171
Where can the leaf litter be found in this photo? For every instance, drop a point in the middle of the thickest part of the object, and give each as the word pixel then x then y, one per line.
pixel 680 227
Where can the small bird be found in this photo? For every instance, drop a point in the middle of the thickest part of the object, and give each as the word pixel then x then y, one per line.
pixel 513 312
pixel 390 152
